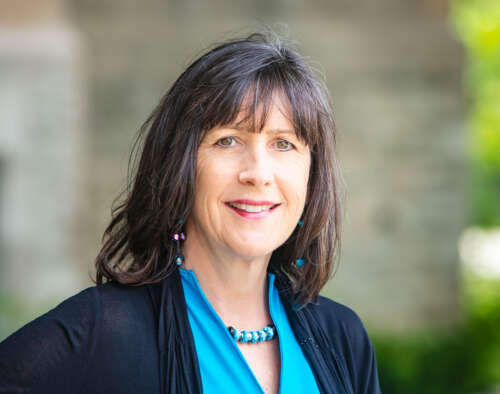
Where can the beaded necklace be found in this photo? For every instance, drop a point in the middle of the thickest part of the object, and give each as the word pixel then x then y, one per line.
pixel 253 336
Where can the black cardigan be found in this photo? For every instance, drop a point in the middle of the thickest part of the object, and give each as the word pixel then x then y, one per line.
pixel 122 339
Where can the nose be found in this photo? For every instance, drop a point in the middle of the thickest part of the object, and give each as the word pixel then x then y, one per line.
pixel 256 167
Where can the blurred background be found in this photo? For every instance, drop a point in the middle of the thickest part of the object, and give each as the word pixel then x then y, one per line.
pixel 415 87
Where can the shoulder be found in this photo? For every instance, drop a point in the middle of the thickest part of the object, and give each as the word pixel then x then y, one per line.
pixel 341 324
pixel 83 316
pixel 82 319
pixel 112 309
pixel 107 297
pixel 73 341
pixel 347 335
pixel 332 313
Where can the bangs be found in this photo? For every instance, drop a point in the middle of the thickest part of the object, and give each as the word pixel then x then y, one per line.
pixel 247 101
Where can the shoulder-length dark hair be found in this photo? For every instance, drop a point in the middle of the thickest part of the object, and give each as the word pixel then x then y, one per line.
pixel 137 247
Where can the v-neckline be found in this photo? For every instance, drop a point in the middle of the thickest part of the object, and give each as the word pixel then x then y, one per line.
pixel 187 273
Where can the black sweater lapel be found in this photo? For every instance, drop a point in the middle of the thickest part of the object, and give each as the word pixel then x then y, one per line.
pixel 314 343
pixel 179 369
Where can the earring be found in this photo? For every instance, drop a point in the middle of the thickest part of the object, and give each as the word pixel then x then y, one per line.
pixel 300 262
pixel 177 238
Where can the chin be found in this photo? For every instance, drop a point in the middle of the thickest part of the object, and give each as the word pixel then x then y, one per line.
pixel 248 251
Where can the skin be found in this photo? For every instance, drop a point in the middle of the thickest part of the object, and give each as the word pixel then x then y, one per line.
pixel 229 253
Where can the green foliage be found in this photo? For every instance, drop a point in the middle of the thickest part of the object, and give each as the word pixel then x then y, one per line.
pixel 15 313
pixel 12 313
pixel 478 25
pixel 465 361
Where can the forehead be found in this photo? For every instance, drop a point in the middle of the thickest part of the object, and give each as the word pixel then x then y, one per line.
pixel 273 114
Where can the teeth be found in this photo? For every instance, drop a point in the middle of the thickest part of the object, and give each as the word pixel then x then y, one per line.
pixel 250 208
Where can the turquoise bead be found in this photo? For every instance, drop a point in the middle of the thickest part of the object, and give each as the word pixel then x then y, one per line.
pixel 236 334
pixel 270 332
pixel 179 259
pixel 255 336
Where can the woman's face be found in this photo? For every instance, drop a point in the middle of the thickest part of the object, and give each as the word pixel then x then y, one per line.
pixel 250 187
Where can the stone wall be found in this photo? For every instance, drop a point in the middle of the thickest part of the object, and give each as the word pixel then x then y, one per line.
pixel 394 72
pixel 41 154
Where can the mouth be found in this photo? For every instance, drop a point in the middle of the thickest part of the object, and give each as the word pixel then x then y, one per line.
pixel 253 210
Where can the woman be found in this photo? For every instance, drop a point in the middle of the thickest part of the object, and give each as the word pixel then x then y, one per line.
pixel 215 258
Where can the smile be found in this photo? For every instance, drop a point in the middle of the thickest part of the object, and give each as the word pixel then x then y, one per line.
pixel 251 208
pixel 251 211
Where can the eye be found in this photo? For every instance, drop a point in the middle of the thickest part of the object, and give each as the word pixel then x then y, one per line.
pixel 284 145
pixel 225 142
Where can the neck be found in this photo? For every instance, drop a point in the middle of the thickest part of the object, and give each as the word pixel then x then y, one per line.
pixel 235 286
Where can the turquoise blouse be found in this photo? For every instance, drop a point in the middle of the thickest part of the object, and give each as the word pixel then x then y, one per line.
pixel 223 368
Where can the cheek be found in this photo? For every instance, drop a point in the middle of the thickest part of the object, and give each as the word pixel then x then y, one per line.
pixel 211 179
pixel 298 178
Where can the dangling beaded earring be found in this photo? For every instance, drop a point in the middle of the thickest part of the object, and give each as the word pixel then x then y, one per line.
pixel 177 238
pixel 300 262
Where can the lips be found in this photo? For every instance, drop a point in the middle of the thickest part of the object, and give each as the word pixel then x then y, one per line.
pixel 254 202
pixel 252 209
pixel 252 205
